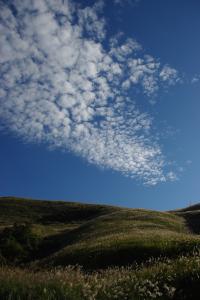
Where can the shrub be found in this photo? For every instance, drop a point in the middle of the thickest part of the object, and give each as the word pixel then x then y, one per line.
pixel 18 242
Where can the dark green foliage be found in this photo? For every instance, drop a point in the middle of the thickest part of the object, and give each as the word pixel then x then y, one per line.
pixel 18 242
pixel 12 249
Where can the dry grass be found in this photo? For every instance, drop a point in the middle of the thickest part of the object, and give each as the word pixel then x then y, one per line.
pixel 157 279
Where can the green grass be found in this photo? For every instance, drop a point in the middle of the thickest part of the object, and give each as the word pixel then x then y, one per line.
pixel 98 236
pixel 176 279
pixel 124 236
pixel 123 253
pixel 14 209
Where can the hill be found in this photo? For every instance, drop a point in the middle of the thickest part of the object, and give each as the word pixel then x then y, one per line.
pixel 97 236
pixel 132 254
pixel 49 215
pixel 191 214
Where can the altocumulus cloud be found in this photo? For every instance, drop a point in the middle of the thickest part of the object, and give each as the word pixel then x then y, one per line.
pixel 61 86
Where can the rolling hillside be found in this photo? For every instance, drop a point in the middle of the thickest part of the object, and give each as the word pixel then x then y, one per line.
pixel 59 250
pixel 97 236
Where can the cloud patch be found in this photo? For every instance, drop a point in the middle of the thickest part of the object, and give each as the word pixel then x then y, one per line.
pixel 61 86
pixel 125 2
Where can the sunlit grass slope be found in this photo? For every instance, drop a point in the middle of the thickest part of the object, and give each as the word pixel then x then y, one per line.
pixel 98 236
pixel 125 236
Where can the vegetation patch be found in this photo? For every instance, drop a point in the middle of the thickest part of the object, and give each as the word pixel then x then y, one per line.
pixel 64 250
pixel 164 279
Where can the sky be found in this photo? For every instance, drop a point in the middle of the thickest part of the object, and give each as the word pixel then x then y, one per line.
pixel 99 101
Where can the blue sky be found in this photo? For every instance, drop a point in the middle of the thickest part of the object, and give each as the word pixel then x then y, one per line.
pixel 99 101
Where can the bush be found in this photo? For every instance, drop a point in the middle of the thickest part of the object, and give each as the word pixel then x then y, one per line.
pixel 18 242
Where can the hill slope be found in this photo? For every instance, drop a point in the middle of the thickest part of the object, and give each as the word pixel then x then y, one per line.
pixel 36 235
pixel 48 216
pixel 97 236
pixel 191 214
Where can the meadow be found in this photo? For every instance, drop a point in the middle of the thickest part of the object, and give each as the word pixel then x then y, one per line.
pixel 65 250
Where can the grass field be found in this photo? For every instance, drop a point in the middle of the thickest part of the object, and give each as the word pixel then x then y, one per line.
pixel 156 279
pixel 123 253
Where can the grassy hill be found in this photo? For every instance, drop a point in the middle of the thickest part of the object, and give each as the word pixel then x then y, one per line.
pixel 97 236
pixel 124 236
pixel 191 214
pixel 41 235
pixel 49 216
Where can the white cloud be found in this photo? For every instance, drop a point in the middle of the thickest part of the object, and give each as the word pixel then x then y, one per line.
pixel 172 176
pixel 195 79
pixel 90 22
pixel 60 86
pixel 169 74
pixel 148 73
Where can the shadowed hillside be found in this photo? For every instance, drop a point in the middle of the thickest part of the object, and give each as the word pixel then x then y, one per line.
pixel 44 212
pixel 191 214
pixel 95 236
pixel 48 216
